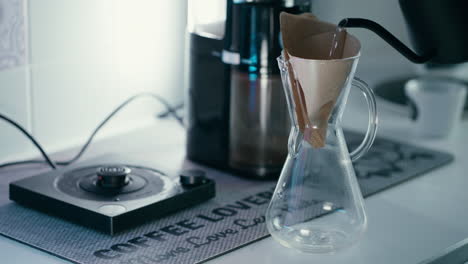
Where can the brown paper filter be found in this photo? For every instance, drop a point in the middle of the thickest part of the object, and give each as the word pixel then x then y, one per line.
pixel 316 53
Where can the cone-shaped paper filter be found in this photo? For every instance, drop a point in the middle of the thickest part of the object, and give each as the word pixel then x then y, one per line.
pixel 318 69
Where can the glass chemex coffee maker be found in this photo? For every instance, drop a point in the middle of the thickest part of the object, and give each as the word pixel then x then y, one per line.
pixel 237 113
pixel 317 205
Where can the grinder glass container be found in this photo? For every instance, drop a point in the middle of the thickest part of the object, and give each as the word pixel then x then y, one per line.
pixel 259 123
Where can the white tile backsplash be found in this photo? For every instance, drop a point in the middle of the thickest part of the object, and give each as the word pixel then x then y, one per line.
pixel 71 68
pixel 87 56
pixel 14 102
pixel 70 31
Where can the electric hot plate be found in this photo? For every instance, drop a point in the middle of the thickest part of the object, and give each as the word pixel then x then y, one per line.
pixel 111 196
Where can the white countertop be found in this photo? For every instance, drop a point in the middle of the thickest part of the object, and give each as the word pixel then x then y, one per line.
pixel 406 224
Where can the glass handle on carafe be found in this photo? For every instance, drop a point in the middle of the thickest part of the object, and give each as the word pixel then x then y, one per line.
pixel 373 120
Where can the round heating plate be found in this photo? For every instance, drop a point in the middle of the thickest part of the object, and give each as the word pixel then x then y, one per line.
pixel 90 184
pixel 82 183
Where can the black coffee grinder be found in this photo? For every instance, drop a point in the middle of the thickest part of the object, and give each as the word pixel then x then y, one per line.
pixel 237 116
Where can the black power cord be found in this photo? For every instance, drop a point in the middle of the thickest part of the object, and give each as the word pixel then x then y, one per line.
pixel 38 146
pixel 172 111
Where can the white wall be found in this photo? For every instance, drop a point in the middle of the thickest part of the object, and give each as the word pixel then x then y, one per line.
pixel 81 58
pixel 64 64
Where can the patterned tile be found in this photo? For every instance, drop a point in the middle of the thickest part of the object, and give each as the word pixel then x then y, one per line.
pixel 12 34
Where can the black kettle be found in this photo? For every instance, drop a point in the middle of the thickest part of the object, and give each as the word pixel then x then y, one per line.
pixel 438 30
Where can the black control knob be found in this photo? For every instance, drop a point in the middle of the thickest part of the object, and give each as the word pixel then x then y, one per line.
pixel 191 178
pixel 113 176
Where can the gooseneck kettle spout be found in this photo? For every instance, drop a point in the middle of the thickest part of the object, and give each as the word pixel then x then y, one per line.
pixel 389 38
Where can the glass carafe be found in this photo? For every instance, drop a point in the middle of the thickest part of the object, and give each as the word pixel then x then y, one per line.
pixel 317 205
